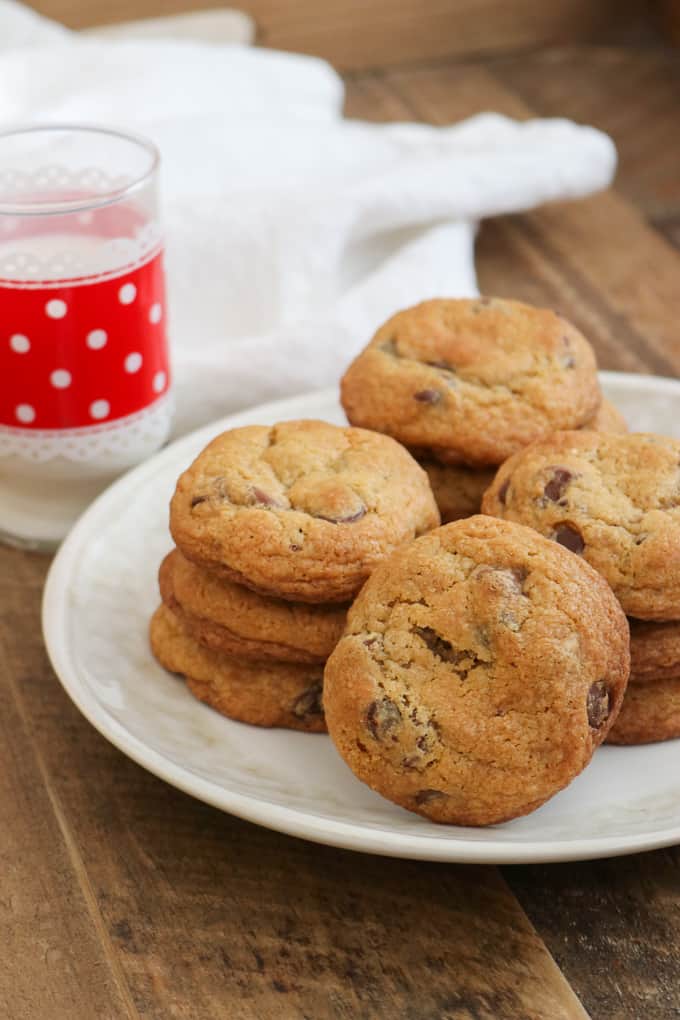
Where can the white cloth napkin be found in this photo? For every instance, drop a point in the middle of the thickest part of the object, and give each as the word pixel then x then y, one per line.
pixel 291 232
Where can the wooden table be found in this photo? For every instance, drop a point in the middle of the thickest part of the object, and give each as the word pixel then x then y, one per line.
pixel 122 898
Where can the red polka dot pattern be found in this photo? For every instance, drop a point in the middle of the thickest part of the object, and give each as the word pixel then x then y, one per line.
pixel 85 352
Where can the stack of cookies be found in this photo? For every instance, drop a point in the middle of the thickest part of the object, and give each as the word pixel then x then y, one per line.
pixel 614 501
pixel 463 384
pixel 276 529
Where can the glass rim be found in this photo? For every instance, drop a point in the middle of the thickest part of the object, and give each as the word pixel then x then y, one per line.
pixel 48 207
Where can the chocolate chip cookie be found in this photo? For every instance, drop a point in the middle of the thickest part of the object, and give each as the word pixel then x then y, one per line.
pixel 651 706
pixel 472 381
pixel 481 667
pixel 302 510
pixel 237 621
pixel 614 500
pixel 650 713
pixel 458 489
pixel 262 694
pixel 607 418
pixel 654 651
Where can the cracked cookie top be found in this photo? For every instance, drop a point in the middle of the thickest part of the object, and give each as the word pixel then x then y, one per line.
pixel 480 668
pixel 302 510
pixel 614 500
pixel 472 380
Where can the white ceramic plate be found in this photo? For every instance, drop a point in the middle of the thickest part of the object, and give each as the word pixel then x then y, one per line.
pixel 101 591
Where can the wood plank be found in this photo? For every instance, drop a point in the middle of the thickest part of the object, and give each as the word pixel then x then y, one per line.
pixel 212 917
pixel 57 959
pixel 633 94
pixel 354 34
pixel 612 926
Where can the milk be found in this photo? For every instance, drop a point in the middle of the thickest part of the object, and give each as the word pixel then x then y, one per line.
pixel 49 475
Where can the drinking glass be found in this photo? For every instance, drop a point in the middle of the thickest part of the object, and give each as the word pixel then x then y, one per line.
pixel 84 373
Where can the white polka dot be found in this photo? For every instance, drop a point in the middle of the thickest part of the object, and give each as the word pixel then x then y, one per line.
pixel 127 293
pixel 133 362
pixel 60 379
pixel 24 413
pixel 159 382
pixel 99 409
pixel 96 339
pixel 155 313
pixel 56 308
pixel 85 218
pixel 20 343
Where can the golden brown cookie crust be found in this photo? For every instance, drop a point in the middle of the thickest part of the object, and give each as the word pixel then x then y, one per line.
pixel 262 694
pixel 457 489
pixel 607 418
pixel 302 510
pixel 472 380
pixel 481 667
pixel 654 651
pixel 237 621
pixel 650 713
pixel 615 500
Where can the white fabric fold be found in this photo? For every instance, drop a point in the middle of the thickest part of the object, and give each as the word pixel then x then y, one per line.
pixel 291 232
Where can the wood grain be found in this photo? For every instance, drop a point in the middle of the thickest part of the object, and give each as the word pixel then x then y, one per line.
pixel 354 34
pixel 633 95
pixel 212 917
pixel 613 926
pixel 57 958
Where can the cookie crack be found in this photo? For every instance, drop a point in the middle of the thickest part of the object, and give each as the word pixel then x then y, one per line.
pixel 512 387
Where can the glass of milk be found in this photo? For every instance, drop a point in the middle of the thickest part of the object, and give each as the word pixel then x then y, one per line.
pixel 84 373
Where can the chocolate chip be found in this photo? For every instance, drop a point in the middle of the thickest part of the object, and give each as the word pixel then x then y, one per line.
pixel 514 579
pixel 309 702
pixel 509 578
pixel 198 499
pixel 520 574
pixel 349 519
pixel 558 483
pixel 427 796
pixel 381 717
pixel 503 491
pixel 425 741
pixel 428 396
pixel 445 651
pixel 295 548
pixel 263 498
pixel 598 704
pixel 570 537
pixel 443 365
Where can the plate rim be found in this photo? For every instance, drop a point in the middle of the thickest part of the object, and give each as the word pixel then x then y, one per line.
pixel 294 821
